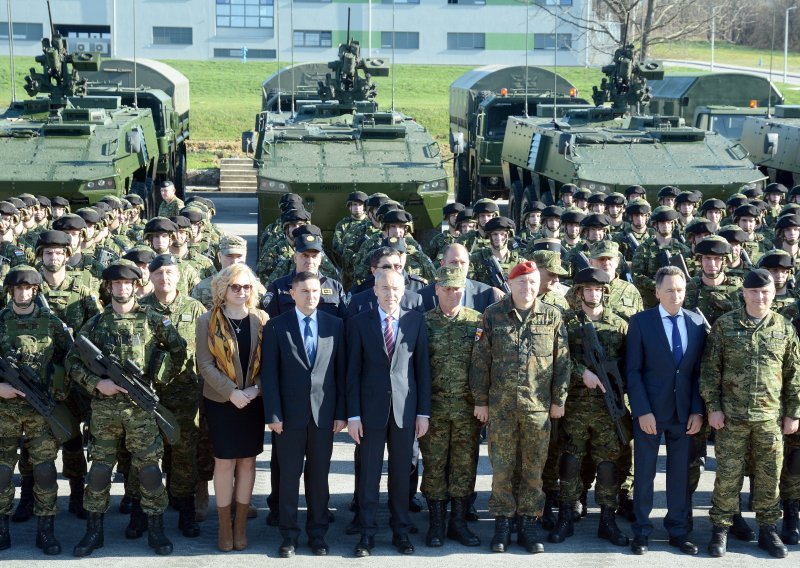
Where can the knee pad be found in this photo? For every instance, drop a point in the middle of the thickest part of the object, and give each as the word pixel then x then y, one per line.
pixel 569 467
pixel 99 476
pixel 6 473
pixel 606 474
pixel 793 462
pixel 45 475
pixel 150 477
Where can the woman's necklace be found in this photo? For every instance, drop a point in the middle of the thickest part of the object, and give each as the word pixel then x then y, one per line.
pixel 236 328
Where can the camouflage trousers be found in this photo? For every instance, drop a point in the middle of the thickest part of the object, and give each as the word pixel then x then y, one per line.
pixel 587 429
pixel 514 437
pixel 450 451
pixel 762 443
pixel 790 473
pixel 113 418
pixel 18 418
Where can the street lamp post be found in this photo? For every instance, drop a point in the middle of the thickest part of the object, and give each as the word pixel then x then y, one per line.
pixel 786 41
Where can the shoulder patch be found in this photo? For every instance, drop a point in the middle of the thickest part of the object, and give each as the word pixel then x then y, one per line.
pixel 166 321
pixel 478 334
pixel 326 291
pixel 18 252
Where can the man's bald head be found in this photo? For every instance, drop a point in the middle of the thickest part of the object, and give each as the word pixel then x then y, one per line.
pixel 455 255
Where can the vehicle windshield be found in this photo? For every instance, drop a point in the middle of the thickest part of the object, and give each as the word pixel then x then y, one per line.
pixel 497 118
pixel 728 125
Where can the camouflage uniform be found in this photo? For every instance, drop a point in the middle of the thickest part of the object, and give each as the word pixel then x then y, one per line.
pixel 556 300
pixel 417 263
pixel 790 473
pixel 342 228
pixel 438 243
pixel 202 293
pixel 477 270
pixel 133 336
pixel 189 277
pixel 645 265
pixel 713 301
pixel 171 209
pixel 40 340
pixel 627 229
pixel 749 372
pixel 201 263
pixel 520 366
pixel 10 256
pixel 454 432
pixel 623 299
pixel 474 241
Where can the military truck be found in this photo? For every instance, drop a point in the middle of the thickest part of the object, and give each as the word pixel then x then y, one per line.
pixel 774 143
pixel 608 148
pixel 714 101
pixel 325 140
pixel 481 102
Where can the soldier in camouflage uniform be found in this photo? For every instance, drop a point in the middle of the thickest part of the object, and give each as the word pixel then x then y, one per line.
pixel 201 241
pixel 749 381
pixel 787 230
pixel 685 205
pixel 285 265
pixel 170 203
pixel 713 292
pixel 551 227
pixel 519 377
pixel 180 248
pixel 596 204
pixel 551 290
pixel 646 260
pixel 285 202
pixel 33 336
pixel 781 266
pixel 158 235
pixel 530 223
pixel 594 228
pixel 10 254
pixel 571 235
pixel 587 428
pixel 142 256
pixel 581 200
pixel 275 247
pixel 232 250
pixel 450 446
pixel 565 195
pixel 82 264
pixel 355 204
pixel 182 395
pixel 500 232
pixel 358 233
pixel 483 211
pixel 773 196
pixel 440 240
pixel 135 213
pixel 746 217
pixel 737 265
pixel 128 331
pixel 667 195
pixel 635 230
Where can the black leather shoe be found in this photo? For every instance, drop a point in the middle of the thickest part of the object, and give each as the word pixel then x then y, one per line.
pixel 365 546
pixel 639 545
pixel 355 525
pixel 402 544
pixel 288 548
pixel 318 546
pixel 684 544
pixel 273 519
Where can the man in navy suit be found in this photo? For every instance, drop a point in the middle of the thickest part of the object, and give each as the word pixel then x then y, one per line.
pixel 303 377
pixel 388 403
pixel 664 348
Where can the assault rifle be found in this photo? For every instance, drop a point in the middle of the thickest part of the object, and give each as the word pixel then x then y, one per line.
pixel 607 371
pixel 23 378
pixel 130 377
pixel 497 277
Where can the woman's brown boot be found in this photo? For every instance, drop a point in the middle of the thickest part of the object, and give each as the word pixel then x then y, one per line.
pixel 240 526
pixel 225 538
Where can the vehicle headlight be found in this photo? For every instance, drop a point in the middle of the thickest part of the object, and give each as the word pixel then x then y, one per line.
pixel 494 180
pixel 438 185
pixel 103 183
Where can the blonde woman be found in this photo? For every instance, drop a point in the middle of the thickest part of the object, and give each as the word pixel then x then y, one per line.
pixel 229 358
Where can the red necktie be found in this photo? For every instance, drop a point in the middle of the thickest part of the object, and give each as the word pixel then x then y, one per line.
pixel 388 336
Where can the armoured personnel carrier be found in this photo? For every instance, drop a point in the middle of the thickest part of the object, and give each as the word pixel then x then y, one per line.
pixel 774 143
pixel 608 148
pixel 323 136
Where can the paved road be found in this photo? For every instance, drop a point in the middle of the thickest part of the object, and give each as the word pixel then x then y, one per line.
pixel 777 73
pixel 584 549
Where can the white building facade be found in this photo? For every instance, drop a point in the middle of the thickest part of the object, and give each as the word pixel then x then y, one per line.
pixel 468 32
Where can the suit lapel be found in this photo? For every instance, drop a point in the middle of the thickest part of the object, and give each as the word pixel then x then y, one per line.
pixel 691 336
pixel 662 332
pixel 324 340
pixel 377 327
pixel 398 340
pixel 297 338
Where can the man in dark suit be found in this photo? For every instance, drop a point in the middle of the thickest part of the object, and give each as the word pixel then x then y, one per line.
pixel 664 348
pixel 381 260
pixel 303 377
pixel 388 402
pixel 477 295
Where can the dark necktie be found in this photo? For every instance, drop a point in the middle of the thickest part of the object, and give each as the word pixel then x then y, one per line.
pixel 677 347
pixel 308 340
pixel 388 336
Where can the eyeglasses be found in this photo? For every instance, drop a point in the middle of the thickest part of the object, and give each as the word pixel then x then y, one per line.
pixel 391 266
pixel 239 287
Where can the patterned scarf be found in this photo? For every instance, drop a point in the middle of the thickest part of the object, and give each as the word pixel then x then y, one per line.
pixel 222 345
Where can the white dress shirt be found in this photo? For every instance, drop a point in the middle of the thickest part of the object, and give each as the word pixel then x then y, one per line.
pixel 667 323
pixel 301 320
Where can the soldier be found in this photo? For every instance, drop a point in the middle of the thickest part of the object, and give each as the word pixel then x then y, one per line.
pixel 780 266
pixel 465 221
pixel 581 200
pixel 587 427
pixel 451 444
pixel 170 202
pixel 773 196
pixel 355 204
pixel 199 242
pixel 787 230
pixel 635 230
pixel 734 201
pixel 713 210
pixel 551 290
pixel 182 394
pixel 594 228
pixel 96 259
pixel 530 224
pixel 128 331
pixel 646 260
pixel 596 203
pixel 551 226
pixel 443 238
pixel 635 193
pixel 136 215
pixel 565 195
pixel 142 256
pixel 667 195
pixel 749 381
pixel 158 235
pixel 10 254
pixel 615 208
pixel 737 265
pixel 746 216
pixel 285 264
pixel 84 264
pixel 286 202
pixel 571 223
pixel 712 291
pixel 232 250
pixel 519 377
pixel 180 249
pixel 685 205
pixel 500 231
pixel 58 207
pixel 483 210
pixel 34 336
pixel 276 246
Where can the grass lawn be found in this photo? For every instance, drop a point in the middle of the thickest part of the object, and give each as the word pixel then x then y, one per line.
pixel 729 53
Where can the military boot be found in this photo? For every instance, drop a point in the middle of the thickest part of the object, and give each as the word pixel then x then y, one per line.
pixel 790 532
pixel 5 535
pixel 187 523
pixel 528 535
pixel 769 540
pixel 24 510
pixel 740 529
pixel 125 504
pixel 437 509
pixel 608 528
pixel 564 527
pixel 93 539
pixel 502 534
pixel 625 508
pixel 45 537
pixel 137 525
pixel 156 538
pixel 548 513
pixel 457 528
pixel 76 487
pixel 719 542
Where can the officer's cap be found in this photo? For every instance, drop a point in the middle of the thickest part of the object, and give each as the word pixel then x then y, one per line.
pixel 550 261
pixel 548 244
pixel 307 242
pixel 758 278
pixel 395 243
pixel 777 258
pixel 23 274
pixel 122 270
pixel 589 276
pixel 451 277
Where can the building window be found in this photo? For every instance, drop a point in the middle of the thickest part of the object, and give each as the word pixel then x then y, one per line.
pixel 312 38
pixel 22 31
pixel 467 2
pixel 400 1
pixel 548 41
pixel 403 40
pixel 236 53
pixel 466 41
pixel 172 36
pixel 553 2
pixel 245 13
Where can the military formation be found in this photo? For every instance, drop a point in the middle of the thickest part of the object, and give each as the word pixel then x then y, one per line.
pixel 538 370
